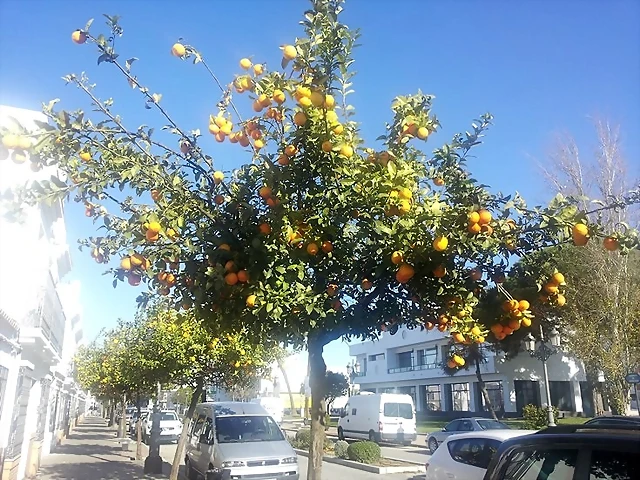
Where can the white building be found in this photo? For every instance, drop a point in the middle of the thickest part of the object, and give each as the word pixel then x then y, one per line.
pixel 410 362
pixel 36 397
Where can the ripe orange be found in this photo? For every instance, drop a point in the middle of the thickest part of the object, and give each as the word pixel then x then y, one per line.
pixel 451 364
pixel 85 156
pixel 290 150
pixel 338 129
pixel 265 228
pixel 438 181
pixel 11 141
pixel 405 193
pixel 458 360
pixel 312 249
pixel 404 207
pixel 264 100
pixel 442 327
pixel 525 322
pixel 299 119
pixel 560 300
pixel 440 271
pixel 327 146
pixel 278 96
pixel 243 276
pixel 332 289
pixel 218 199
pixel 611 244
pixel 251 301
pixel 551 288
pixel 396 258
pixel 258 144
pixel 231 278
pixel 151 236
pixel 557 278
pixel 405 273
pixel 178 50
pixel 218 176
pixel 474 228
pixel 485 217
pixel 245 64
pixel 486 229
pixel 289 52
pixel 170 279
pixel 125 263
pixel 475 274
pixel 134 279
pixel 137 260
pixel 317 99
pixel 79 37
pixel 283 160
pixel 428 325
pixel 304 102
pixel 473 217
pixel 507 330
pixel 458 337
pixel 327 246
pixel 258 69
pixel 346 151
pixel 230 266
pixel 580 234
pixel 475 331
pixel 422 133
pixel 440 243
pixel 225 246
pixel 265 192
pixel 366 284
pixel 154 227
pixel 329 102
pixel 523 305
pixel 514 324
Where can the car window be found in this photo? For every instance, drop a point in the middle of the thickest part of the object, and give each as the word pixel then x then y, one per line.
pixel 452 426
pixel 165 416
pixel 551 464
pixel 493 425
pixel 610 465
pixel 471 451
pixel 402 410
pixel 247 428
pixel 197 426
pixel 465 426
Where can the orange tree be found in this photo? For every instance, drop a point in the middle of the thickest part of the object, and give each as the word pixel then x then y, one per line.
pixel 194 355
pixel 320 236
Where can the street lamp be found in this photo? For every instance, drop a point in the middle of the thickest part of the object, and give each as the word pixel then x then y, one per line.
pixel 543 352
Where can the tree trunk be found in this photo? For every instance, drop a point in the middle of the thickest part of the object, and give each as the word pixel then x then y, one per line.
pixel 617 392
pixel 122 428
pixel 286 382
pixel 112 412
pixel 186 423
pixel 138 430
pixel 317 374
pixel 306 397
pixel 483 389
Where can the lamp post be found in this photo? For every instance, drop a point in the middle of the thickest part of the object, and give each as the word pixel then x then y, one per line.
pixel 353 369
pixel 543 352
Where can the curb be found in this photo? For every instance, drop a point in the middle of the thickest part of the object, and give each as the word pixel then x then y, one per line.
pixel 412 467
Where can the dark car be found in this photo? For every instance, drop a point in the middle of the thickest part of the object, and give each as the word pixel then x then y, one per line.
pixel 613 420
pixel 571 452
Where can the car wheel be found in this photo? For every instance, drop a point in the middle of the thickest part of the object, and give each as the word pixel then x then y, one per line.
pixel 433 445
pixel 372 436
pixel 340 433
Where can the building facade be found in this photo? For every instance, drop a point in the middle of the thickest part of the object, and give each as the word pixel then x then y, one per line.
pixel 411 362
pixel 35 396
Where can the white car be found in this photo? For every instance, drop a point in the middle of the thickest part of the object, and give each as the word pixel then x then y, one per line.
pixel 170 426
pixel 466 456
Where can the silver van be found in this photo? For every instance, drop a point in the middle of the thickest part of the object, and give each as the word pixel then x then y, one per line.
pixel 237 440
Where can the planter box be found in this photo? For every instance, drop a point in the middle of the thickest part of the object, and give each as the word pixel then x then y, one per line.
pixel 407 468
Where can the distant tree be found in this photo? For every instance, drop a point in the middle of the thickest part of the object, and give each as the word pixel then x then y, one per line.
pixel 336 385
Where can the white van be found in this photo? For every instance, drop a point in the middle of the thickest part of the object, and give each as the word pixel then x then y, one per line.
pixel 273 406
pixel 237 440
pixel 381 417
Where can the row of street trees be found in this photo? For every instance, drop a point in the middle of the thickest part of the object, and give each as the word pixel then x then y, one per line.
pixel 172 348
pixel 321 235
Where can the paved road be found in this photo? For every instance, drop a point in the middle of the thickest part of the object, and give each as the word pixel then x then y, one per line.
pixel 329 470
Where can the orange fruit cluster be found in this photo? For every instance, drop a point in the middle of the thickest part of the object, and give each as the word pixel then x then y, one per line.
pixel 516 315
pixel 479 222
pixel 552 291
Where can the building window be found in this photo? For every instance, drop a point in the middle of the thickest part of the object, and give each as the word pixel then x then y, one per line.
pixel 405 360
pixel 527 393
pixel 428 356
pixel 561 395
pixel 494 389
pixel 377 357
pixel 460 397
pixel 432 398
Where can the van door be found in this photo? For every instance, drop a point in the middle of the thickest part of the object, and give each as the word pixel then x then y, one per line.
pixel 398 422
pixel 207 441
pixel 193 449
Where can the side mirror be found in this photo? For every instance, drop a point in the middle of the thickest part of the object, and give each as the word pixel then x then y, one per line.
pixel 443 429
pixel 204 439
pixel 343 414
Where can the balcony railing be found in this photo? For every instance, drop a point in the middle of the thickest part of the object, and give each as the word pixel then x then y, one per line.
pixel 413 368
pixel 49 317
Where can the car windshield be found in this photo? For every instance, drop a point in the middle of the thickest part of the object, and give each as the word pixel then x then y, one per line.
pixel 493 425
pixel 247 428
pixel 402 410
pixel 168 416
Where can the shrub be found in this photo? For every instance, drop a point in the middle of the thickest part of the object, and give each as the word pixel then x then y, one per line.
pixel 536 418
pixel 340 449
pixel 364 452
pixel 302 440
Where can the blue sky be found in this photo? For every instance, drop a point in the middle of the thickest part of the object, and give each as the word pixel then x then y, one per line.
pixel 541 67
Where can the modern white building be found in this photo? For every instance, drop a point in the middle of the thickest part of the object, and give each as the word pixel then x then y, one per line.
pixel 411 362
pixel 37 395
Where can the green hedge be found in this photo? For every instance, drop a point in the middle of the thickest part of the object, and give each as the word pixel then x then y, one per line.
pixel 302 440
pixel 340 449
pixel 536 418
pixel 364 452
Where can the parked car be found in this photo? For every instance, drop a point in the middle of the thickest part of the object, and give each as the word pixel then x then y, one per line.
pixel 170 426
pixel 238 440
pixel 134 420
pixel 381 417
pixel 573 452
pixel 461 425
pixel 466 456
pixel 613 420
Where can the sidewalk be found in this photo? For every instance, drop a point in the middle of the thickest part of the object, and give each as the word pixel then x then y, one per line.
pixel 91 452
